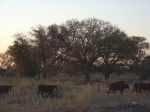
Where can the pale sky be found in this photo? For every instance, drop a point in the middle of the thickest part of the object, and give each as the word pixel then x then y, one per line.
pixel 16 16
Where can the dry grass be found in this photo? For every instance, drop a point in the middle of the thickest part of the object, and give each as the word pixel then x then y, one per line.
pixel 24 95
pixel 76 98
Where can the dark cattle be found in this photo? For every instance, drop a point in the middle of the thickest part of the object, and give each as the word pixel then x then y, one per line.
pixel 46 89
pixel 5 89
pixel 144 86
pixel 136 87
pixel 117 86
pixel 118 83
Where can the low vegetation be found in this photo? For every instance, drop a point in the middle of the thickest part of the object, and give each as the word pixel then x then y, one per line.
pixel 76 95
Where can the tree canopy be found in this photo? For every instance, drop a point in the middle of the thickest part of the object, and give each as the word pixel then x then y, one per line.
pixel 79 46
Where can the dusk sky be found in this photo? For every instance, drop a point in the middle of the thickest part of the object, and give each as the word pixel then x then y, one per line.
pixel 16 16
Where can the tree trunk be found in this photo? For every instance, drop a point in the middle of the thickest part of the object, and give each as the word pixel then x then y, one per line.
pixel 106 75
pixel 38 75
pixel 44 74
pixel 44 69
pixel 87 76
pixel 87 70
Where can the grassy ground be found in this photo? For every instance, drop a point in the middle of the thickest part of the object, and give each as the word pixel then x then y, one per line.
pixel 77 96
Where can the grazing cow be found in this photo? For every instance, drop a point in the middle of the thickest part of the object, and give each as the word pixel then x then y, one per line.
pixel 46 88
pixel 5 89
pixel 144 86
pixel 136 87
pixel 117 86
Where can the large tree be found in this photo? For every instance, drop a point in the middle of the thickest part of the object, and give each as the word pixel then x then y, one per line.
pixel 117 52
pixel 83 41
pixel 97 44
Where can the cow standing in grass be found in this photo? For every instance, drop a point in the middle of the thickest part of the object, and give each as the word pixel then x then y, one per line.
pixel 117 86
pixel 136 87
pixel 5 89
pixel 145 87
pixel 46 89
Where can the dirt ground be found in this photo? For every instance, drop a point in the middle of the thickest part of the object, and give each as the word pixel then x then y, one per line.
pixel 125 103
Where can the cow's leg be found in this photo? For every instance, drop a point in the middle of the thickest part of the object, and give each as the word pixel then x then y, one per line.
pixel 48 94
pixel 42 94
pixel 38 93
pixel 51 95
pixel 121 91
pixel 114 91
pixel 134 90
pixel 137 91
pixel 108 91
pixel 140 92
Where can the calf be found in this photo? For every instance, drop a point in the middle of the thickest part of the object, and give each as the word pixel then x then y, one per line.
pixel 5 89
pixel 46 88
pixel 118 86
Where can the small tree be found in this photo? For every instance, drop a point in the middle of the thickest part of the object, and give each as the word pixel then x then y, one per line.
pixel 142 46
pixel 24 58
pixel 145 73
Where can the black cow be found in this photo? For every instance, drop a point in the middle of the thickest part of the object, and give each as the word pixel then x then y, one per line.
pixel 46 89
pixel 144 86
pixel 117 86
pixel 5 89
pixel 136 87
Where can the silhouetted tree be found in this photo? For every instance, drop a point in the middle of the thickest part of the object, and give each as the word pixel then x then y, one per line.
pixel 116 53
pixel 23 56
pixel 83 41
pixel 5 64
pixel 145 71
pixel 5 61
pixel 46 47
pixel 97 44
pixel 142 45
